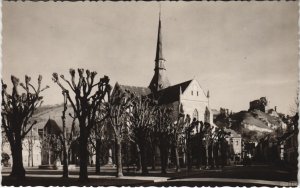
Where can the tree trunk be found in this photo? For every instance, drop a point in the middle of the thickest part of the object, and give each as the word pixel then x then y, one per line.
pixel 207 156
pixel 188 157
pixel 219 155
pixel 49 155
pixel 119 157
pixel 177 159
pixel 18 170
pixel 200 154
pixel 153 158
pixel 83 142
pixel 212 156
pixel 65 160
pixel 153 162
pixel 29 156
pixel 143 160
pixel 163 158
pixel 32 157
pixel 98 152
pixel 139 160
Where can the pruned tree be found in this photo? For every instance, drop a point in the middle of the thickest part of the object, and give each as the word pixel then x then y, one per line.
pixel 220 146
pixel 117 109
pixel 141 122
pixel 201 130
pixel 85 102
pixel 177 136
pixel 162 129
pixel 67 137
pixel 208 141
pixel 153 143
pixel 16 111
pixel 190 125
pixel 98 135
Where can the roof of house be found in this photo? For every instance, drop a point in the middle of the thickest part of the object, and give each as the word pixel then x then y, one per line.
pixel 52 127
pixel 54 113
pixel 233 134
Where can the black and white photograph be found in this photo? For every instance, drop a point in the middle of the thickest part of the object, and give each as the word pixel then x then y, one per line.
pixel 158 93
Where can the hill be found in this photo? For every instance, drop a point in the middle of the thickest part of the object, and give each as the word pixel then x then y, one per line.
pixel 252 124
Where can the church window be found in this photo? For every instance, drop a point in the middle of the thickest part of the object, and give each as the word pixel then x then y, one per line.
pixel 195 114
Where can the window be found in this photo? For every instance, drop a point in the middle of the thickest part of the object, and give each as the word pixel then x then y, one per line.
pixel 236 142
pixel 192 92
pixel 195 114
pixel 197 93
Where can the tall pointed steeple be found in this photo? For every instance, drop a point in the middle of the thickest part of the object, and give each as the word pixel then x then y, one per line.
pixel 159 80
pixel 159 52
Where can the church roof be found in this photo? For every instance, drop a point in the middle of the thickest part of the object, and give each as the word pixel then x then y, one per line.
pixel 138 90
pixel 172 93
pixel 164 96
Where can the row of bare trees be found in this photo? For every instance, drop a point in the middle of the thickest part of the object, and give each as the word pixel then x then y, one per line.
pixel 128 115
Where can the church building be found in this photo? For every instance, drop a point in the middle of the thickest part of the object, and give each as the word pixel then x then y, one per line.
pixel 187 96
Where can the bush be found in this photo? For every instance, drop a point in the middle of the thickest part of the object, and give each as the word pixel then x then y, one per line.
pixel 5 159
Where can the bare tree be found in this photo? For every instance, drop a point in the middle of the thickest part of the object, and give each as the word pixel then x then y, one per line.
pixel 222 148
pixel 177 135
pixel 188 130
pixel 162 129
pixel 64 138
pixel 87 98
pixel 208 141
pixel 141 122
pixel 215 139
pixel 118 118
pixel 201 130
pixel 98 135
pixel 17 109
pixel 67 137
pixel 152 146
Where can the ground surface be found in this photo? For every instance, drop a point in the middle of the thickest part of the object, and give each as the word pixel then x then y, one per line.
pixel 259 175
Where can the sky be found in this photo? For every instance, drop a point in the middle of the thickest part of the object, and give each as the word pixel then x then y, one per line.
pixel 239 51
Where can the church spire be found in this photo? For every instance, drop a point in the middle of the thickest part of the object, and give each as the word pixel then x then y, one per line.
pixel 159 52
pixel 159 80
